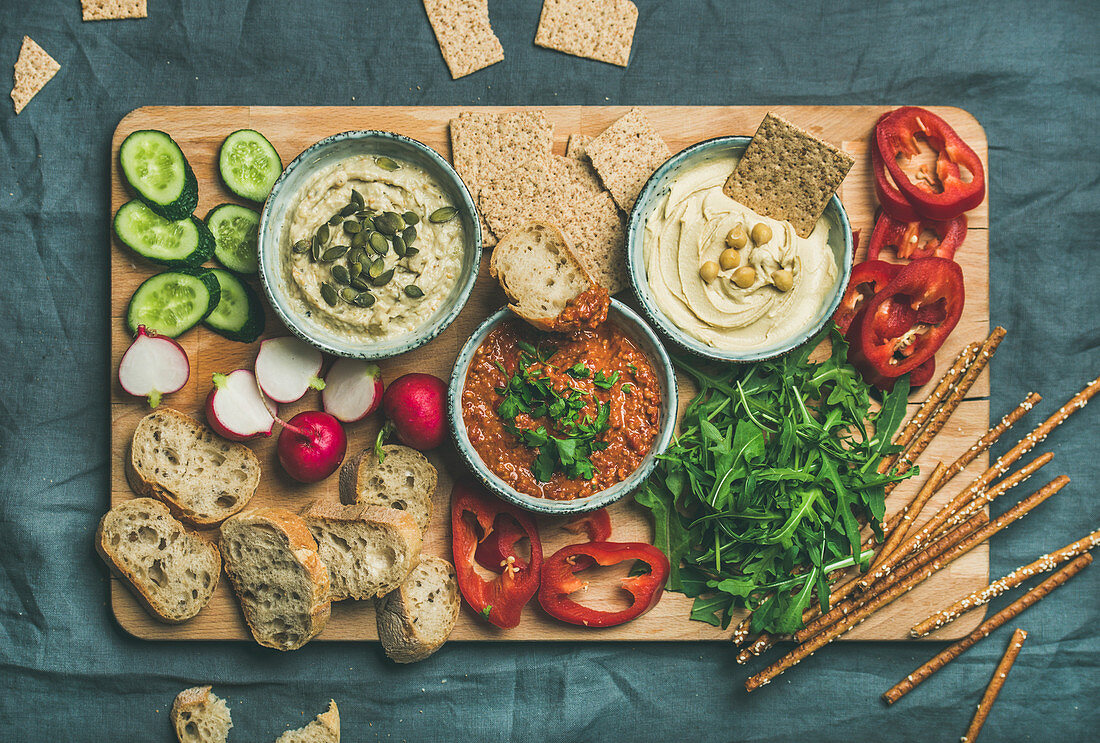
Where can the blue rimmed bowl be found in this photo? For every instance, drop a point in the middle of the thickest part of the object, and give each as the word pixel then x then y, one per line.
pixel 839 241
pixel 274 248
pixel 646 340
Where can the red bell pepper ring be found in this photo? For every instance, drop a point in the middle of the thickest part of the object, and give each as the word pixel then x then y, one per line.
pixel 502 599
pixel 559 581
pixel 595 524
pixel 892 201
pixel 895 135
pixel 928 288
pixel 499 544
pixel 866 280
pixel 905 237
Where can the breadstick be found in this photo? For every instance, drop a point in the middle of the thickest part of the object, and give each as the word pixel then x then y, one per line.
pixel 985 497
pixel 1010 612
pixel 991 436
pixel 760 645
pixel 901 528
pixel 995 685
pixel 981 597
pixel 741 631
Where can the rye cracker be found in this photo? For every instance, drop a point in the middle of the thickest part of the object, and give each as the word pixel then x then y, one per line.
pixel 595 29
pixel 113 10
pixel 788 174
pixel 33 69
pixel 626 154
pixel 576 172
pixel 484 145
pixel 574 146
pixel 465 37
pixel 599 238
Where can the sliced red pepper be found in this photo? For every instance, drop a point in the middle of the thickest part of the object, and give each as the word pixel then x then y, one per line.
pixel 905 237
pixel 895 136
pixel 595 524
pixel 866 280
pixel 928 288
pixel 892 201
pixel 502 599
pixel 559 581
pixel 499 544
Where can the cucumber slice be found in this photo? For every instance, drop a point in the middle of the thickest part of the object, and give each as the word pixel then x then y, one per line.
pixel 174 301
pixel 239 315
pixel 184 243
pixel 156 169
pixel 249 164
pixel 234 229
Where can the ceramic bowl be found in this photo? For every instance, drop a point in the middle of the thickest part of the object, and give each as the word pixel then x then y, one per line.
pixel 646 340
pixel 274 225
pixel 839 240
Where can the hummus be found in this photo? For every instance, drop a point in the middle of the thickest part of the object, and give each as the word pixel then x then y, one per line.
pixel 433 270
pixel 688 229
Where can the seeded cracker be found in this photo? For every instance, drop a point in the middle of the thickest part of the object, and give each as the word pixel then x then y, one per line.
pixel 484 145
pixel 33 69
pixel 465 37
pixel 574 146
pixel 576 172
pixel 788 174
pixel 626 154
pixel 113 10
pixel 596 29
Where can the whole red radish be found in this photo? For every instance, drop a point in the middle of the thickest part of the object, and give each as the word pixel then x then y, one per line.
pixel 416 406
pixel 312 446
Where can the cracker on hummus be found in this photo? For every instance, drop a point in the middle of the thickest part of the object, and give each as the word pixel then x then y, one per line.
pixel 465 37
pixel 113 10
pixel 33 69
pixel 626 154
pixel 596 29
pixel 788 174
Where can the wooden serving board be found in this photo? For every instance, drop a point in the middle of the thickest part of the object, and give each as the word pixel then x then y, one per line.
pixel 200 131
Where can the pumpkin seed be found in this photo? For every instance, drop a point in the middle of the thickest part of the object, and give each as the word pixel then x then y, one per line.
pixel 410 217
pixel 359 239
pixel 357 255
pixel 354 269
pixel 386 163
pixel 335 218
pixel 328 293
pixel 318 247
pixel 301 246
pixel 348 294
pixel 409 235
pixel 336 251
pixel 365 299
pixel 348 210
pixel 351 227
pixel 357 199
pixel 414 291
pixel 410 252
pixel 377 266
pixel 383 279
pixel 322 233
pixel 341 274
pixel 399 245
pixel 361 284
pixel 378 242
pixel 443 214
pixel 389 223
pixel 364 214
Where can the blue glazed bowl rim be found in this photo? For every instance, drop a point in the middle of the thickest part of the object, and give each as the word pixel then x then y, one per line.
pixel 639 283
pixel 425 333
pixel 634 325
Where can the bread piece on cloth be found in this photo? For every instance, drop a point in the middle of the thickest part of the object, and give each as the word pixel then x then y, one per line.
pixel 324 729
pixel 172 572
pixel 417 618
pixel 465 37
pixel 33 69
pixel 404 480
pixel 788 174
pixel 626 154
pixel 199 716
pixel 597 29
pixel 113 10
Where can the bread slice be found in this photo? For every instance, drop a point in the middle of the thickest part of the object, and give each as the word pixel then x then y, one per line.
pixel 200 716
pixel 404 480
pixel 368 550
pixel 203 478
pixel 271 560
pixel 172 571
pixel 541 275
pixel 417 618
pixel 324 729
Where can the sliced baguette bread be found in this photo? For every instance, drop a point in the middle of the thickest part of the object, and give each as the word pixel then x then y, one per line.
pixel 324 729
pixel 199 716
pixel 368 550
pixel 417 618
pixel 204 479
pixel 542 277
pixel 172 571
pixel 271 560
pixel 404 480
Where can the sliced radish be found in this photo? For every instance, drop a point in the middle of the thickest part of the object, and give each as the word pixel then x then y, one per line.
pixel 353 390
pixel 286 368
pixel 237 410
pixel 153 366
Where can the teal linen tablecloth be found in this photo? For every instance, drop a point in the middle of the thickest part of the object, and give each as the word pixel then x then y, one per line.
pixel 1027 71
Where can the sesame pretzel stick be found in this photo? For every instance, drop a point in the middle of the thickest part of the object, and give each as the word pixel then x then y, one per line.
pixel 995 685
pixel 876 602
pixel 991 436
pixel 741 632
pixel 913 508
pixel 981 597
pixel 1009 612
pixel 764 642
pixel 985 497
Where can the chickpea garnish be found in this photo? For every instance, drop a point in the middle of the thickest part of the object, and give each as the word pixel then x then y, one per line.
pixel 761 233
pixel 729 258
pixel 736 238
pixel 744 277
pixel 783 279
pixel 708 271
